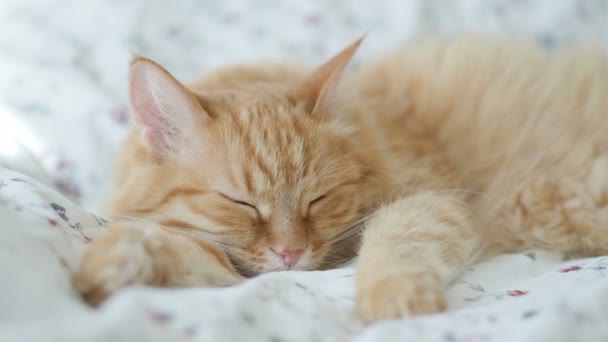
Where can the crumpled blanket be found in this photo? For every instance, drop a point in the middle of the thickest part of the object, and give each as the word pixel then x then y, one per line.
pixel 535 296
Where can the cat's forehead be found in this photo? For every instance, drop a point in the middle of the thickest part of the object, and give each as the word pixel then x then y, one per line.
pixel 273 146
pixel 278 140
pixel 270 120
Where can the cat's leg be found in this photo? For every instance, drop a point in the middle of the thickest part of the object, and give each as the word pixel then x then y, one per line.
pixel 146 254
pixel 411 250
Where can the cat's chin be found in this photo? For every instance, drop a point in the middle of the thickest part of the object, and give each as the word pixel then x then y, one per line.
pixel 274 268
pixel 294 268
pixel 284 268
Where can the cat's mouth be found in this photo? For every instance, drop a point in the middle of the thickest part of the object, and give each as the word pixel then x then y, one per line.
pixel 248 273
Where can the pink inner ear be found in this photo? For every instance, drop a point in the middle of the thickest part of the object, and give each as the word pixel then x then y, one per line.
pixel 321 85
pixel 161 106
pixel 145 111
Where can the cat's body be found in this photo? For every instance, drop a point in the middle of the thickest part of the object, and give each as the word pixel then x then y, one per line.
pixel 439 152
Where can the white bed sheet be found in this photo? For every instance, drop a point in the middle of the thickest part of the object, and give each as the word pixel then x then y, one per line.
pixel 63 113
pixel 535 296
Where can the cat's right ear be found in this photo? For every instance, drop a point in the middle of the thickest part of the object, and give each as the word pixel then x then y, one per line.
pixel 318 92
pixel 164 110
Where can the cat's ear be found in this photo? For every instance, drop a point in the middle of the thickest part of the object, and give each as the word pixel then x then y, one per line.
pixel 318 90
pixel 163 109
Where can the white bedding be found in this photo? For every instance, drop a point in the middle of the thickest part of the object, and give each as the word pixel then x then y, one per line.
pixel 63 113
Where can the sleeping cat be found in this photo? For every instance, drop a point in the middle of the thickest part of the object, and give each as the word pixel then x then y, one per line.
pixel 420 162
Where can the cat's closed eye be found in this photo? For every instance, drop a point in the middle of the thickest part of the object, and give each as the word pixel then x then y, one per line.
pixel 242 203
pixel 315 202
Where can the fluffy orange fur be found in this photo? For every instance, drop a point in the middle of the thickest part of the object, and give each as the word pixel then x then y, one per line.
pixel 421 161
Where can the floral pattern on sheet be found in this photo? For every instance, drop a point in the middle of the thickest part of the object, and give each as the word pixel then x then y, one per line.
pixel 531 291
pixel 42 207
pixel 496 295
pixel 64 85
pixel 63 114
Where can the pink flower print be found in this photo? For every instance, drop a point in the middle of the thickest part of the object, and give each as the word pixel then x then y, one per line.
pixel 160 317
pixel 516 293
pixel 63 165
pixel 52 222
pixel 313 19
pixel 569 269
pixel 120 115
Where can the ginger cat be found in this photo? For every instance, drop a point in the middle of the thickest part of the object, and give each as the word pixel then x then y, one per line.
pixel 424 160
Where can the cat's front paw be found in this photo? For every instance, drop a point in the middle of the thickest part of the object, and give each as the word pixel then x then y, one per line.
pixel 113 262
pixel 400 295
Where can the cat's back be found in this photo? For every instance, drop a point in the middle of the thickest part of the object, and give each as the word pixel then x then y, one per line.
pixel 497 105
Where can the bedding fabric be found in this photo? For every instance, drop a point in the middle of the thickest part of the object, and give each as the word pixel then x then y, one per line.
pixel 63 114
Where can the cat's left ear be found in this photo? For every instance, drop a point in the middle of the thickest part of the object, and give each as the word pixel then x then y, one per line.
pixel 164 111
pixel 318 90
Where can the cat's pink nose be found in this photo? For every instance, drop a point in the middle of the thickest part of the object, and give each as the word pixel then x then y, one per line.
pixel 290 257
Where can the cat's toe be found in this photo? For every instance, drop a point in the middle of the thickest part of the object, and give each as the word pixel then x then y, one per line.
pixel 107 268
pixel 400 295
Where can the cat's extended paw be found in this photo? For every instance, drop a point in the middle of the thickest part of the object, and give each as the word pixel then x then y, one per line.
pixel 112 263
pixel 400 295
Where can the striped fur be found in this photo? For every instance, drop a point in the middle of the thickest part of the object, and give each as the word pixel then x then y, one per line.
pixel 426 158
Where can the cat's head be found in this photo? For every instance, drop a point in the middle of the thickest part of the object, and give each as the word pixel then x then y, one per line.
pixel 266 170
